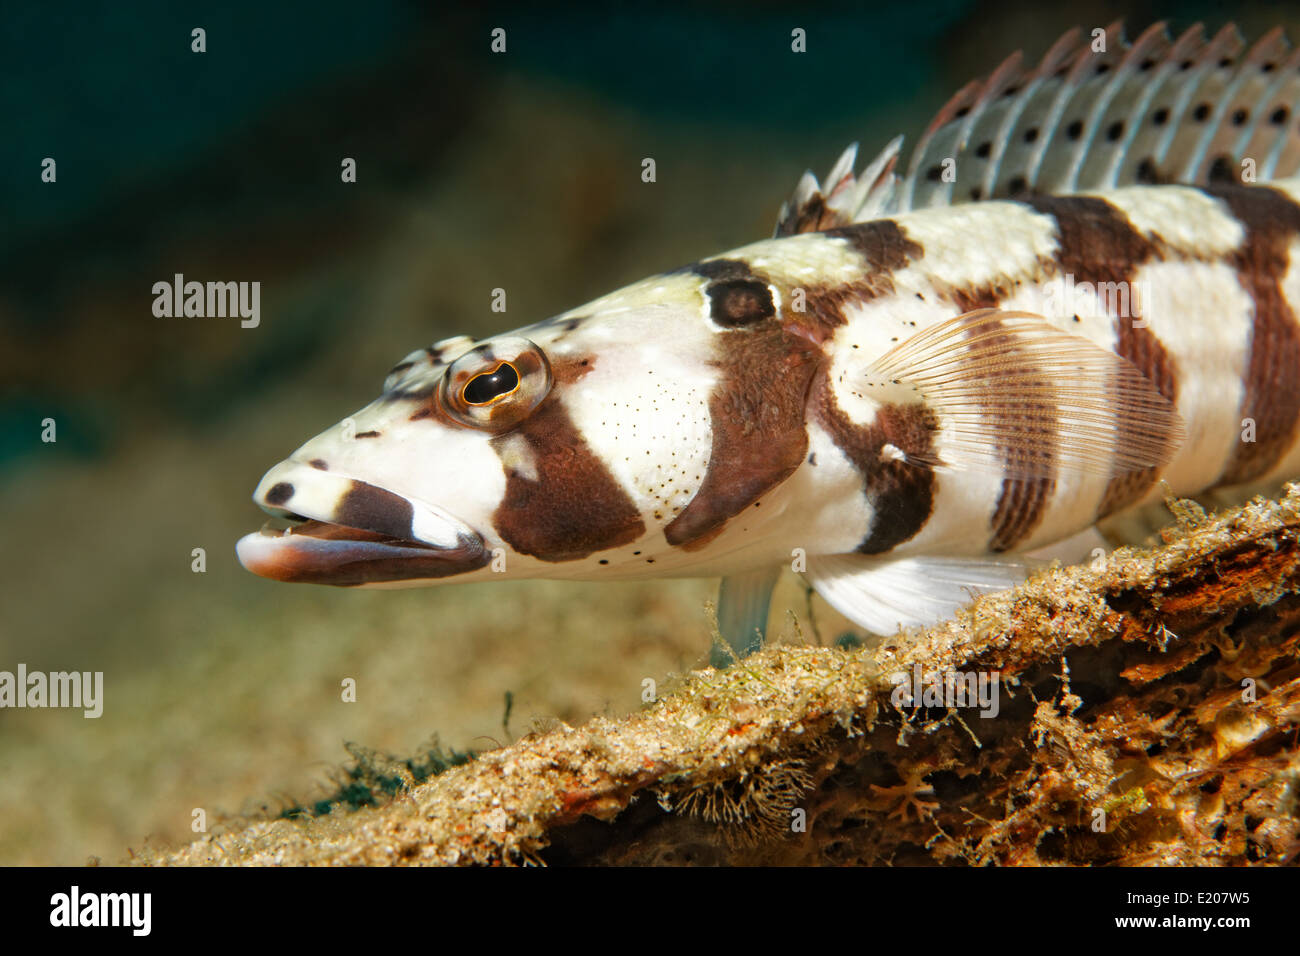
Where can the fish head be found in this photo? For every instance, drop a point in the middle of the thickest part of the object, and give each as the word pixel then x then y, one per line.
pixel 561 450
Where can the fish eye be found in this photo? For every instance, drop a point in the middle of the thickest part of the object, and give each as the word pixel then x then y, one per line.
pixel 488 387
pixel 494 386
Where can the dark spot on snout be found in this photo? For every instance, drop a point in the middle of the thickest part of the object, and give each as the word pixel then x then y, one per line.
pixel 319 464
pixel 370 434
pixel 374 509
pixel 279 493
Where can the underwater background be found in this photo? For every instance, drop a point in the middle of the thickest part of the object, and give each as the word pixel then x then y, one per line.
pixel 474 171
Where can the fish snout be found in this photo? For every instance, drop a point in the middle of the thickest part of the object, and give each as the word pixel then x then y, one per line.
pixel 342 530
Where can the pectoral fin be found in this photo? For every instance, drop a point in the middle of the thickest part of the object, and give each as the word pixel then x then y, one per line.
pixel 1015 395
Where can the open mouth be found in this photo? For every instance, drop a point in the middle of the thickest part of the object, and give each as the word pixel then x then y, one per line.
pixel 392 540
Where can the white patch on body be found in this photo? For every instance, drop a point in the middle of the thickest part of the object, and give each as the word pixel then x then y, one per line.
pixel 802 260
pixel 1185 218
pixel 1076 495
pixel 871 330
pixel 659 294
pixel 643 408
pixel 973 244
pixel 1202 317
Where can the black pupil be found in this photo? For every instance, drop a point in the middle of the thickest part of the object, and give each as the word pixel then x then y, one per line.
pixel 483 388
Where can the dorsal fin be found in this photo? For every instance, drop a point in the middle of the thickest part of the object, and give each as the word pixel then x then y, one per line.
pixel 1091 115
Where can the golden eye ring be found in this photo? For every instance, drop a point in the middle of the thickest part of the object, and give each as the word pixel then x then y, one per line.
pixel 495 385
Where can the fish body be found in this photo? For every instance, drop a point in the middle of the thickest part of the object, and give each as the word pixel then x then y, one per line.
pixel 1069 299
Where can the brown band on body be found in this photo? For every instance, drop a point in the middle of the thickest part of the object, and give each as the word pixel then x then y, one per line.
pixel 759 406
pixel 759 434
pixel 882 243
pixel 901 493
pixel 885 249
pixel 1022 502
pixel 575 507
pixel 1098 244
pixel 1272 383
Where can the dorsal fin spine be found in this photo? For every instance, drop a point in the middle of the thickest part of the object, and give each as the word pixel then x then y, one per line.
pixel 1053 59
pixel 1153 38
pixel 1225 101
pixel 1054 114
pixel 1151 111
pixel 1286 71
pixel 1186 47
pixel 1114 39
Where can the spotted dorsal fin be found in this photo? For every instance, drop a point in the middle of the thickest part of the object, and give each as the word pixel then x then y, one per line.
pixel 1097 112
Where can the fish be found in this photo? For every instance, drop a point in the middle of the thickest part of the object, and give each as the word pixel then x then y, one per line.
pixel 1078 296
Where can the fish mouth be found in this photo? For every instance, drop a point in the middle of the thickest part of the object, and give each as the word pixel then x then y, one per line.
pixel 348 533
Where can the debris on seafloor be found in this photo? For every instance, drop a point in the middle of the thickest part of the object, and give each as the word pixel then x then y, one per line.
pixel 1143 709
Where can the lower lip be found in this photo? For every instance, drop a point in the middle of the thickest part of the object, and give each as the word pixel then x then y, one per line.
pixel 320 553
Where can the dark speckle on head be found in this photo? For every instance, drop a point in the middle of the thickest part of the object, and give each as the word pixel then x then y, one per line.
pixel 370 434
pixel 568 370
pixel 279 493
pixel 319 464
